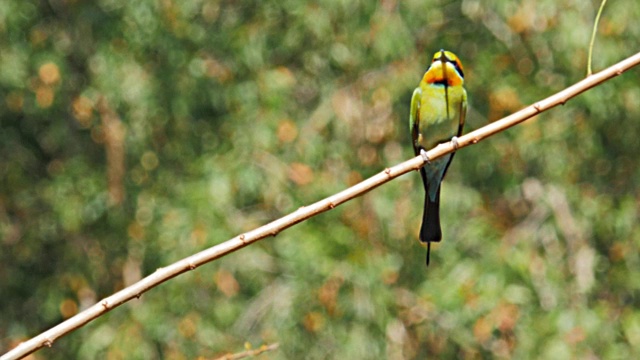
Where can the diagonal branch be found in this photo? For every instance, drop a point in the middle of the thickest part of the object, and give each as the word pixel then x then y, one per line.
pixel 249 353
pixel 163 274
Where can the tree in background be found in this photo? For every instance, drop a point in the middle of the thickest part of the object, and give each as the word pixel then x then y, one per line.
pixel 135 133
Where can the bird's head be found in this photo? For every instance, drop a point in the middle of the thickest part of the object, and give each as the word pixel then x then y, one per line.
pixel 445 69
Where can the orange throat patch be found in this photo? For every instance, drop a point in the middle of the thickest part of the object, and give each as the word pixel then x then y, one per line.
pixel 435 75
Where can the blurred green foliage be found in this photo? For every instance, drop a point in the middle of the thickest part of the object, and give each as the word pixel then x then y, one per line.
pixel 134 133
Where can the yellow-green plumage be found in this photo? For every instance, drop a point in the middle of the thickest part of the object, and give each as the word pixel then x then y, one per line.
pixel 438 110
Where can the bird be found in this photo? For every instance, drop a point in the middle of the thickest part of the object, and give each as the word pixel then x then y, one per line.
pixel 438 110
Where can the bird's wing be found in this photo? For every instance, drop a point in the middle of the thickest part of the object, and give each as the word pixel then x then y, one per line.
pixel 463 114
pixel 414 119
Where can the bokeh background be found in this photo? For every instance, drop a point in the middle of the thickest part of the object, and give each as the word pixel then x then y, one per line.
pixel 135 133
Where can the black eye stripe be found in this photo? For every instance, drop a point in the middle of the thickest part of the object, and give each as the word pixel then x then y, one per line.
pixel 456 65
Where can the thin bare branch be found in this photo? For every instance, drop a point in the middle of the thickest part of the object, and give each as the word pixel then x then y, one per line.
pixel 161 275
pixel 250 352
pixel 593 36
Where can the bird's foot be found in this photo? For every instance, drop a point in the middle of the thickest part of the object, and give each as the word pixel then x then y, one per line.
pixel 454 142
pixel 425 157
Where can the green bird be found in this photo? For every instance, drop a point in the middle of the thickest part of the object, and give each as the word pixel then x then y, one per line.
pixel 438 110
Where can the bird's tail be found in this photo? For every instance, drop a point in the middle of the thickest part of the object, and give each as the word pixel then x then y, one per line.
pixel 430 230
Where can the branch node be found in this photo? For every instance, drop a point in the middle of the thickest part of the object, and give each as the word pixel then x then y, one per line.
pixel 241 237
pixel 537 106
pixel 48 343
pixel 105 304
pixel 331 205
pixel 192 266
pixel 387 171
pixel 475 140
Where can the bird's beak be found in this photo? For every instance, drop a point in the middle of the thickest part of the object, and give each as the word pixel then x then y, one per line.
pixel 443 62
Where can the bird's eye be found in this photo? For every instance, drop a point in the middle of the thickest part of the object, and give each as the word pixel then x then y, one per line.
pixel 458 66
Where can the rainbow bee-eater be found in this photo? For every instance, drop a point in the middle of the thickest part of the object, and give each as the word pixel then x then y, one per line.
pixel 438 109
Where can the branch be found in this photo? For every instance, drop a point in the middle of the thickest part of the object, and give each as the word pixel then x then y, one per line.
pixel 248 353
pixel 593 36
pixel 161 275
